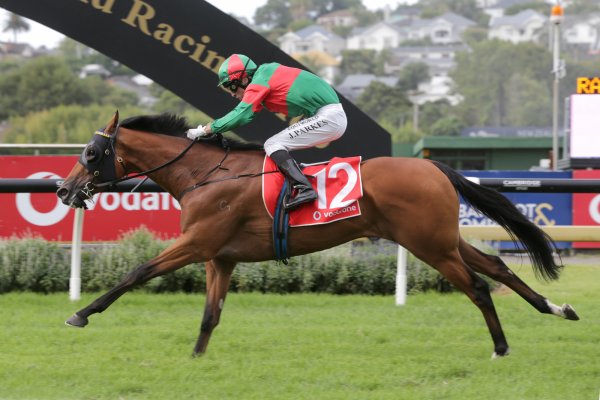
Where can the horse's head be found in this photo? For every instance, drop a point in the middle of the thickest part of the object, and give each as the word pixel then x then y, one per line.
pixel 95 168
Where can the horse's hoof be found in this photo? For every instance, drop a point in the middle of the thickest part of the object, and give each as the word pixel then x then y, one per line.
pixel 570 312
pixel 77 321
pixel 499 354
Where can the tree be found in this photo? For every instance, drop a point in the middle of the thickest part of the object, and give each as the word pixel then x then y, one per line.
pixel 47 82
pixel 358 62
pixel 413 74
pixel 274 14
pixel 384 103
pixel 16 24
pixel 482 77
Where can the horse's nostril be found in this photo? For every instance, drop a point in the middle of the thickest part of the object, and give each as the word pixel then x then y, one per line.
pixel 62 193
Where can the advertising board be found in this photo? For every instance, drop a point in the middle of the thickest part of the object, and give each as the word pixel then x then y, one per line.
pixel 108 217
pixel 586 207
pixel 540 208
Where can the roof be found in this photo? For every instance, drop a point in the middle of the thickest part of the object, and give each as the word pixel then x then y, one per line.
pixel 371 28
pixel 319 57
pixel 313 29
pixel 337 13
pixel 457 20
pixel 364 80
pixel 504 4
pixel 519 20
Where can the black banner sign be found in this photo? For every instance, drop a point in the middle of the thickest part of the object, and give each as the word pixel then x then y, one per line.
pixel 180 45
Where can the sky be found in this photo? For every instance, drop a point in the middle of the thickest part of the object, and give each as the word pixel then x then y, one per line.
pixel 40 35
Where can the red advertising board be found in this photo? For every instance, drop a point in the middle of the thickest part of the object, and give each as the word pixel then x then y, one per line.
pixel 586 207
pixel 111 214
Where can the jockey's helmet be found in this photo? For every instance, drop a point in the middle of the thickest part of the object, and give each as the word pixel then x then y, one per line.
pixel 235 68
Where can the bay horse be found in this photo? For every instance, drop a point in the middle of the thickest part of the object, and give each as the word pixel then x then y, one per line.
pixel 413 202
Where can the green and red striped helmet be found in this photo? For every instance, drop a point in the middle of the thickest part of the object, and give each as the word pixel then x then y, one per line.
pixel 236 67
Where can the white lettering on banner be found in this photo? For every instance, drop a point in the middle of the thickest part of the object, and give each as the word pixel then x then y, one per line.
pixel 106 201
pixel 594 209
pixel 35 217
pixel 533 211
pixel 136 201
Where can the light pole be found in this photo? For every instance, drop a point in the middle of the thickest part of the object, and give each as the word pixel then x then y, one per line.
pixel 558 69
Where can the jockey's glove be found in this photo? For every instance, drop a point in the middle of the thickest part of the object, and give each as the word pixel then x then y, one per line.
pixel 194 134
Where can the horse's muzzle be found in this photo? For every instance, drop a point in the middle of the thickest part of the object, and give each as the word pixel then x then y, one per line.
pixel 73 200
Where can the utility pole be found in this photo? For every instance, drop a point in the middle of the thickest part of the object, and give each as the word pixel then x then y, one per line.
pixel 558 69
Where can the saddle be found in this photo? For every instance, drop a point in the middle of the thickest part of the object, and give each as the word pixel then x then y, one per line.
pixel 339 187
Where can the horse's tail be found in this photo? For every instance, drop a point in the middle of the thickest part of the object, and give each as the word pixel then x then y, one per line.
pixel 498 208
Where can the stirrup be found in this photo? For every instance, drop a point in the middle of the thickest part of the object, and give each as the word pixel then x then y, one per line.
pixel 304 195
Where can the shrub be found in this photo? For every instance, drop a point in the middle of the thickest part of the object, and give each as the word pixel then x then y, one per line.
pixel 359 267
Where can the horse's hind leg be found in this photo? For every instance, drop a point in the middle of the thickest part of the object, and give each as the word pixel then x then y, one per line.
pixel 463 278
pixel 177 255
pixel 494 267
pixel 218 277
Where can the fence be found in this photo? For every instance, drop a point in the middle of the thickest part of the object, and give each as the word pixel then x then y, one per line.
pixel 558 233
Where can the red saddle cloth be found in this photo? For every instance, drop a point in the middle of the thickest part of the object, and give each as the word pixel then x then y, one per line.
pixel 338 184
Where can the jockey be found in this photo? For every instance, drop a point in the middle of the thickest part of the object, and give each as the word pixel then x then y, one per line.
pixel 291 91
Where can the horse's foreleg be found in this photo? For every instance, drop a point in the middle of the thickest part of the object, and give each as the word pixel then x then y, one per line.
pixel 218 277
pixel 494 267
pixel 174 257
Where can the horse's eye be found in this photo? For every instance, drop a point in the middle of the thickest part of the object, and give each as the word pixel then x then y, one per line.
pixel 90 154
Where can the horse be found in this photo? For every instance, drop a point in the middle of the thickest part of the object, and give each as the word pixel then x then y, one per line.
pixel 413 202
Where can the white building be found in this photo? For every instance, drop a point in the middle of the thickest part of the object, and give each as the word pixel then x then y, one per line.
pixel 376 37
pixel 525 26
pixel 312 38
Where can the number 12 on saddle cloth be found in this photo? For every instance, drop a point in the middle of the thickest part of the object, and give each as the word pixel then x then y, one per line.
pixel 337 182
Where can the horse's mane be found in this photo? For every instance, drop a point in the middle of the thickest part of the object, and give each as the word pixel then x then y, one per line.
pixel 174 125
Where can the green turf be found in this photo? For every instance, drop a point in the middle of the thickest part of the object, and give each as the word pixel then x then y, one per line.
pixel 303 347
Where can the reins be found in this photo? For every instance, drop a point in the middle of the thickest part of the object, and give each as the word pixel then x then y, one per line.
pixel 203 182
pixel 143 173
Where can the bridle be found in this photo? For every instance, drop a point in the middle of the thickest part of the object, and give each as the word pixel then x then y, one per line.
pixel 99 155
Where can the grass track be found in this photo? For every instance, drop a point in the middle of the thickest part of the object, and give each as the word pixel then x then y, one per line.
pixel 304 347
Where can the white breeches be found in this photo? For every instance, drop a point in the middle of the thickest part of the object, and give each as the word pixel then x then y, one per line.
pixel 328 124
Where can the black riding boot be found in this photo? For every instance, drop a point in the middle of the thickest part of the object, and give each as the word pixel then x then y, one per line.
pixel 302 189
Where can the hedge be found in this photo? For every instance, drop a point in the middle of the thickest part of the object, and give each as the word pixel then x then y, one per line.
pixel 360 267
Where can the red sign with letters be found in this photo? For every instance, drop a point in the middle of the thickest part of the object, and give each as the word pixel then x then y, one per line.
pixel 111 214
pixel 586 207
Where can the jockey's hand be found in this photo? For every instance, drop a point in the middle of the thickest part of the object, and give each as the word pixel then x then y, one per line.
pixel 194 134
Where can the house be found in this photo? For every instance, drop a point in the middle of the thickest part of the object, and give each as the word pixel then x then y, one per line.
pixel 312 38
pixel 437 88
pixel 94 70
pixel 498 8
pixel 353 85
pixel 337 18
pixel 322 64
pixel 444 29
pixel 525 26
pixel 584 31
pixel 10 49
pixel 439 59
pixel 379 36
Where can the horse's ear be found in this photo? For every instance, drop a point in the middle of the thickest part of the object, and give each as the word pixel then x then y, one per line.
pixel 112 125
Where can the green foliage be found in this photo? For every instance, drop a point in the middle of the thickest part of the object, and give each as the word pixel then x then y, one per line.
pixel 47 82
pixel 63 124
pixel 358 62
pixel 413 74
pixel 385 103
pixel 355 268
pixel 484 78
pixel 32 264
